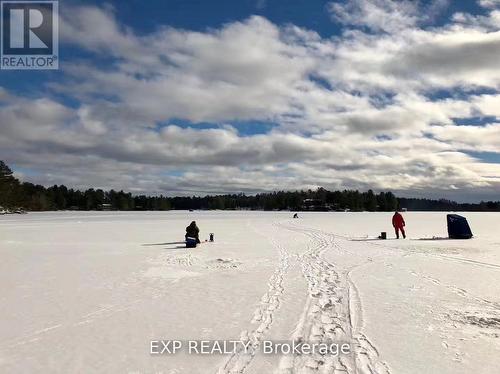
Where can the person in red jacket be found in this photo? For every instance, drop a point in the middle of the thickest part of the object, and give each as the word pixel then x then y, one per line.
pixel 398 223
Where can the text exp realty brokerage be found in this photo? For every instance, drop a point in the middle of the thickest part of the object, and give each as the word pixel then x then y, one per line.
pixel 228 347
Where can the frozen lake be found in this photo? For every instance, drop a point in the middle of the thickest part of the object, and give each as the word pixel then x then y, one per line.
pixel 86 292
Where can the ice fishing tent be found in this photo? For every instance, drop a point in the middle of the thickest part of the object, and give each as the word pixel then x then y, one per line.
pixel 458 227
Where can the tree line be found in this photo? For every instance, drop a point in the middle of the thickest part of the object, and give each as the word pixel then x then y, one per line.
pixel 16 194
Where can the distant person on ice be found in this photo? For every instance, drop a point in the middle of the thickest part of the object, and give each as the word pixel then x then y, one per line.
pixel 398 222
pixel 192 231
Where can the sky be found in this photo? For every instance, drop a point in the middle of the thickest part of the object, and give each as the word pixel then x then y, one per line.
pixel 195 97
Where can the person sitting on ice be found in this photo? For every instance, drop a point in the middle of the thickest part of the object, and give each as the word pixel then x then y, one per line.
pixel 296 215
pixel 398 223
pixel 192 231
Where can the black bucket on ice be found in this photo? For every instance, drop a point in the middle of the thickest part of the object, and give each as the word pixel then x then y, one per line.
pixel 458 227
pixel 190 242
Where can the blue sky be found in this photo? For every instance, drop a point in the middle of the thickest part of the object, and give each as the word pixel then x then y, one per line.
pixel 230 96
pixel 200 15
pixel 146 16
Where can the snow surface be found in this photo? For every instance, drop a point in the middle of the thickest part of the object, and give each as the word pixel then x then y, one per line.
pixel 86 292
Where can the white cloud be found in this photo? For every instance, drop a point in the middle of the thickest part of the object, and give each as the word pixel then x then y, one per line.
pixel 360 110
pixel 243 71
pixel 488 22
pixel 385 15
pixel 378 15
pixel 471 138
pixel 489 3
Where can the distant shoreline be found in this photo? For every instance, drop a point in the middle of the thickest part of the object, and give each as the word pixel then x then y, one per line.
pixel 17 195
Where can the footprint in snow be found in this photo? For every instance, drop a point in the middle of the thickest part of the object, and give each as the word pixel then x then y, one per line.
pixel 222 263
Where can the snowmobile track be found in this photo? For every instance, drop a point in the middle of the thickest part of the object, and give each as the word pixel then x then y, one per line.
pixel 263 316
pixel 330 315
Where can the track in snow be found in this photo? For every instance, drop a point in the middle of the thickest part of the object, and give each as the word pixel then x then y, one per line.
pixel 330 315
pixel 263 316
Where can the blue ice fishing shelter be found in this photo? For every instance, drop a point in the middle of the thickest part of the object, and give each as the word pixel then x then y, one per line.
pixel 458 227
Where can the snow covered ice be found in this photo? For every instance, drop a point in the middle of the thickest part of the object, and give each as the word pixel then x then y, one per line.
pixel 87 292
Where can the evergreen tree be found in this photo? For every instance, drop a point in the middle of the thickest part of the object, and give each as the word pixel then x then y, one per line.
pixel 391 201
pixel 382 202
pixel 8 187
pixel 370 201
